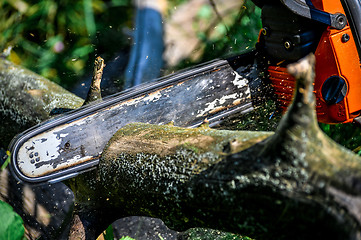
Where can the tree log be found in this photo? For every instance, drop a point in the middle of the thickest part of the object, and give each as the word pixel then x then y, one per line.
pixel 27 99
pixel 293 184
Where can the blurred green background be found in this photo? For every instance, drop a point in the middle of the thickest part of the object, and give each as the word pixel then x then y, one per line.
pixel 60 39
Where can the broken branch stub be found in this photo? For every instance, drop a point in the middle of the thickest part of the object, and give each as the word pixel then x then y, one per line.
pixel 94 92
pixel 295 184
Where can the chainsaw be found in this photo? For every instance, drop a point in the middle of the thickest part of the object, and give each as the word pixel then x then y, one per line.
pixel 72 143
pixel 331 29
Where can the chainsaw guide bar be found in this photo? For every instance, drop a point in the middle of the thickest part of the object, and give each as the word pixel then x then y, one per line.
pixel 72 143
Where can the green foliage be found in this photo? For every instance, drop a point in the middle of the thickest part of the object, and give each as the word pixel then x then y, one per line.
pixel 108 235
pixel 238 36
pixel 11 227
pixel 7 161
pixel 348 135
pixel 57 38
pixel 205 12
pixel 120 3
pixel 232 34
pixel 127 238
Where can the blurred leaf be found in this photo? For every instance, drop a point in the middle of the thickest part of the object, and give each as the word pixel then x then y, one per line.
pixel 98 6
pixel 50 73
pixel 78 65
pixel 11 227
pixel 14 57
pixel 245 21
pixel 6 163
pixel 89 17
pixel 119 3
pixel 205 12
pixel 82 51
pixel 19 5
pixel 108 235
pixel 47 34
pixel 221 29
pixel 126 238
pixel 202 36
pixel 46 59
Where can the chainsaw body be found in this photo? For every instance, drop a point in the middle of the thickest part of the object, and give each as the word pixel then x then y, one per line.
pixel 288 35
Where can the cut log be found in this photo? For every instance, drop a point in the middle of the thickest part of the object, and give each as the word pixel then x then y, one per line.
pixel 294 184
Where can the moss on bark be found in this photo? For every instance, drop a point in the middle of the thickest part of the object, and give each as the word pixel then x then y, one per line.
pixel 27 99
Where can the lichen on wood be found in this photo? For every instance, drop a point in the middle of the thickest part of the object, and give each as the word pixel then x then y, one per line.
pixel 155 158
pixel 167 153
pixel 205 233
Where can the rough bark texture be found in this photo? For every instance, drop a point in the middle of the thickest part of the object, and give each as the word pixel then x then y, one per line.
pixel 94 93
pixel 294 184
pixel 27 99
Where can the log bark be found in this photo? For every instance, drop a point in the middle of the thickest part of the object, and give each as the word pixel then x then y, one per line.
pixel 94 93
pixel 26 99
pixel 293 184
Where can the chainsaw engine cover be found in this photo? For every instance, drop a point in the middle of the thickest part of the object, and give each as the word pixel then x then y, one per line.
pixel 287 36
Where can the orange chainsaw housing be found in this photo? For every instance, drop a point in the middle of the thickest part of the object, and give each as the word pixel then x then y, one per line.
pixel 336 58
